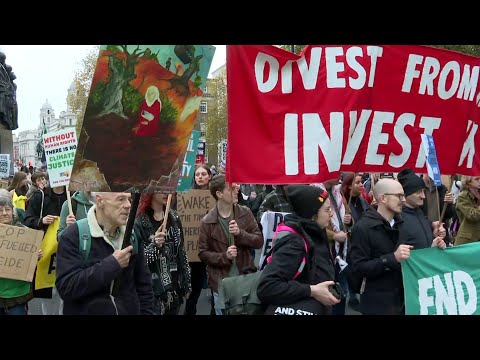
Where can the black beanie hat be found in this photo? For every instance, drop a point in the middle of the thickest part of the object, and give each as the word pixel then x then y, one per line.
pixel 306 199
pixel 411 183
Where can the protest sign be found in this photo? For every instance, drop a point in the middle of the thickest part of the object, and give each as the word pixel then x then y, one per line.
pixel 19 252
pixel 192 206
pixel 188 166
pixel 4 165
pixel 46 268
pixel 442 282
pixel 141 110
pixel 269 222
pixel 60 148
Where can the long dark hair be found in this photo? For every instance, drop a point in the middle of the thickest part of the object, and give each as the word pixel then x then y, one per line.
pixel 209 172
pixel 15 185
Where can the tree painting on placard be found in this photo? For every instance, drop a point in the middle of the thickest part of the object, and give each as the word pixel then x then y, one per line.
pixel 142 106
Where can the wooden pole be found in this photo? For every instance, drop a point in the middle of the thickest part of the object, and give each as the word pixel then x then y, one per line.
pixel 69 201
pixel 165 214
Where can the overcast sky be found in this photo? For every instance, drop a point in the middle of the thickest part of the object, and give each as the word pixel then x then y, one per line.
pixel 46 72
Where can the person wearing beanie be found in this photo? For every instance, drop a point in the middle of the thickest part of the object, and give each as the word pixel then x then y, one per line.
pixel 14 294
pixel 418 231
pixel 311 214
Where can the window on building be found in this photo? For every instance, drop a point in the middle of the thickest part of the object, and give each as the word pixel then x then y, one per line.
pixel 203 130
pixel 203 107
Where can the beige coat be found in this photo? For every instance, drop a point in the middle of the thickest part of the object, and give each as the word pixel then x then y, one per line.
pixel 469 216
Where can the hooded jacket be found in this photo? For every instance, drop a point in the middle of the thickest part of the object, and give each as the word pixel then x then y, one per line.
pixel 83 205
pixel 374 242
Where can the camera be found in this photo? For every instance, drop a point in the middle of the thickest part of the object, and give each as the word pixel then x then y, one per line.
pixel 337 291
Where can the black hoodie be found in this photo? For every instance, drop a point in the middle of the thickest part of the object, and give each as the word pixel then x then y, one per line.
pixel 374 242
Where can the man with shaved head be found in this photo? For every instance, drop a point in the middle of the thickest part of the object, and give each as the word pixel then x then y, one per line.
pixel 376 254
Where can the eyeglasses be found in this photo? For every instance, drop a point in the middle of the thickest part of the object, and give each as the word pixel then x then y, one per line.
pixel 400 197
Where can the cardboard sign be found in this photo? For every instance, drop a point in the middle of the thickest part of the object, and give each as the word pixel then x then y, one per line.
pixel 3 184
pixel 19 252
pixel 192 206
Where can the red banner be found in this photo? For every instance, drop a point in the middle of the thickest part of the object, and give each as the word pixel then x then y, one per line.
pixel 348 108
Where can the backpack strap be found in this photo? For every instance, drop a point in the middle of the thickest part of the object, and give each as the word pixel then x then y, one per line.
pixel 282 231
pixel 84 239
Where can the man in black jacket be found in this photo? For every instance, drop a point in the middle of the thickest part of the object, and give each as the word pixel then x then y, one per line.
pixel 86 285
pixel 419 231
pixel 376 252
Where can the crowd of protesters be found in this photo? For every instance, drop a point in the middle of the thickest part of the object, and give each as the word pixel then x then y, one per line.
pixel 356 223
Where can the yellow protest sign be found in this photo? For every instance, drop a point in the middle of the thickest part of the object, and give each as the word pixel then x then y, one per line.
pixel 19 201
pixel 46 265
pixel 18 252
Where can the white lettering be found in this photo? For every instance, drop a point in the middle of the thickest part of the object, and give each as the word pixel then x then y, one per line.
pixel 310 73
pixel 356 134
pixel 315 135
pixel 411 71
pixel 260 62
pixel 402 138
pixel 468 85
pixel 334 67
pixel 374 52
pixel 445 297
pixel 287 77
pixel 469 145
pixel 291 144
pixel 454 67
pixel 377 137
pixel 425 300
pixel 429 124
pixel 431 68
pixel 352 54
pixel 461 278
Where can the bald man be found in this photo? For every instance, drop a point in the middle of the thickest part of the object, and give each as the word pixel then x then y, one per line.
pixel 376 254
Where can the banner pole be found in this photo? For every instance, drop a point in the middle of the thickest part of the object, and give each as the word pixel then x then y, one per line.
pixel 438 206
pixel 69 201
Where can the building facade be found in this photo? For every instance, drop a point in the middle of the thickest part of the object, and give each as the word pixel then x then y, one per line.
pixel 27 142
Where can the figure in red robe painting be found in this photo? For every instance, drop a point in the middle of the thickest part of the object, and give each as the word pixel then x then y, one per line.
pixel 149 114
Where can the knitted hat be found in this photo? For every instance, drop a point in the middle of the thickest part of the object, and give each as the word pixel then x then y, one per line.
pixel 411 183
pixel 306 199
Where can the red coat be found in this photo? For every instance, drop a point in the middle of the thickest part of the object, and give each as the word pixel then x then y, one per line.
pixel 148 119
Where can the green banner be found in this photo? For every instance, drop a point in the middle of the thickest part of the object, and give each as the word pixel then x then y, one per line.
pixel 188 166
pixel 442 282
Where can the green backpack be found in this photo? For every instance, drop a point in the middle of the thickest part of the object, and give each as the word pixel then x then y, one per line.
pixel 85 240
